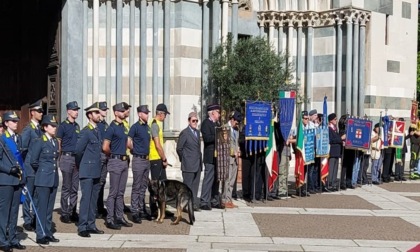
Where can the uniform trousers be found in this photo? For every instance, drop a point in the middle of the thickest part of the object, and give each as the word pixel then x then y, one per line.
pixel 192 180
pixel 45 207
pixel 389 154
pixel 247 180
pixel 70 184
pixel 399 168
pixel 118 174
pixel 26 206
pixel 333 171
pixel 100 206
pixel 141 170
pixel 9 211
pixel 207 185
pixel 90 188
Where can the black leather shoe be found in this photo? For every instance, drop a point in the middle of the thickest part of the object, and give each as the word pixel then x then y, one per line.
pixel 112 225
pixel 65 219
pixel 205 207
pixel 325 189
pixel 136 218
pixel 74 218
pixel 123 222
pixel 6 248
pixel 196 208
pixel 84 234
pixel 270 198
pixel 127 209
pixel 43 241
pixel 28 227
pixel 18 246
pixel 95 231
pixel 146 216
pixel 403 179
pixel 52 239
pixel 375 182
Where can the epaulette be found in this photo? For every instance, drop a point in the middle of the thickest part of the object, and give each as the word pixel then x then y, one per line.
pixel 45 138
pixel 33 125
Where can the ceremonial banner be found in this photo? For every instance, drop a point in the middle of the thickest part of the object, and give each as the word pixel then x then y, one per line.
pixel 414 111
pixel 258 118
pixel 358 134
pixel 385 125
pixel 309 146
pixel 397 136
pixel 323 143
pixel 300 156
pixel 286 112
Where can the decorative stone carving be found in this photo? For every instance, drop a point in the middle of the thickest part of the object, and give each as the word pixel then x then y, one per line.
pixel 244 5
pixel 313 18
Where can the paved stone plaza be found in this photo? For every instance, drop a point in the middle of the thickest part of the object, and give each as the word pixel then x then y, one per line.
pixel 369 218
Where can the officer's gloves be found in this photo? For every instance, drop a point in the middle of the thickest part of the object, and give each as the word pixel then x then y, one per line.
pixel 16 171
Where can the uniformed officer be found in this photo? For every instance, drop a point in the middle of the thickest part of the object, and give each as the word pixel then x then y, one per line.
pixel 88 159
pixel 126 129
pixel 138 143
pixel 208 130
pixel 114 145
pixel 29 133
pixel 44 156
pixel 67 138
pixel 102 126
pixel 11 179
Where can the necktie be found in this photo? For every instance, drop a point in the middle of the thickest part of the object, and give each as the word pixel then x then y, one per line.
pixel 52 142
pixel 38 130
pixel 195 133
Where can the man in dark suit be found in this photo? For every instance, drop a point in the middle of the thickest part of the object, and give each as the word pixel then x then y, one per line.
pixel 189 153
pixel 11 178
pixel 210 187
pixel 88 159
pixel 29 133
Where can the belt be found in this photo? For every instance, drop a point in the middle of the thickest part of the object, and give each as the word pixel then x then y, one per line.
pixel 67 153
pixel 141 156
pixel 120 157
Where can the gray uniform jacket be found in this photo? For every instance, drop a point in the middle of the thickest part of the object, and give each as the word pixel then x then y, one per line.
pixel 29 133
pixel 44 156
pixel 88 153
pixel 189 150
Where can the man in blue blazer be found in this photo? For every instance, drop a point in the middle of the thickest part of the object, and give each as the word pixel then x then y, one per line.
pixel 189 153
pixel 88 160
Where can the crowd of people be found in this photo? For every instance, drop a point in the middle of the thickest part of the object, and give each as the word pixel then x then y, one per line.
pixel 88 157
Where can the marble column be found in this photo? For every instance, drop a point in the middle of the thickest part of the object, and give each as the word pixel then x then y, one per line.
pixel 290 43
pixel 95 55
pixel 205 84
pixel 118 69
pixel 309 60
pixel 362 56
pixel 167 58
pixel 349 31
pixel 234 21
pixel 299 64
pixel 339 69
pixel 280 38
pixel 85 53
pixel 132 56
pixel 155 55
pixel 215 24
pixel 110 87
pixel 143 50
pixel 355 96
pixel 225 18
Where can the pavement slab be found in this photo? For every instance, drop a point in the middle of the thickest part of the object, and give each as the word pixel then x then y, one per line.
pixel 324 200
pixel 336 227
pixel 401 187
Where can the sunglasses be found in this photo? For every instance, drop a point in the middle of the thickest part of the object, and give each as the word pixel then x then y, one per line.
pixel 305 118
pixel 194 121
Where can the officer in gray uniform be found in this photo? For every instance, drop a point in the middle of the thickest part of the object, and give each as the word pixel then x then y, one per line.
pixel 29 133
pixel 67 137
pixel 88 159
pixel 139 144
pixel 102 126
pixel 44 156
pixel 114 146
pixel 11 180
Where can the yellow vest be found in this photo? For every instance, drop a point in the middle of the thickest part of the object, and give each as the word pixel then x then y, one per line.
pixel 154 155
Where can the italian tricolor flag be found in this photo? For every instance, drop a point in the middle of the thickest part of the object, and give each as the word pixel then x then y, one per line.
pixel 300 156
pixel 271 157
pixel 287 94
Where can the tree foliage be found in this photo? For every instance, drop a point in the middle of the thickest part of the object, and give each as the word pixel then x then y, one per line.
pixel 248 70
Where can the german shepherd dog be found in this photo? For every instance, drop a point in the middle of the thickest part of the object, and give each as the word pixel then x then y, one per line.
pixel 167 190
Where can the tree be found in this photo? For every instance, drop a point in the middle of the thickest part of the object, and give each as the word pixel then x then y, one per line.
pixel 248 70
